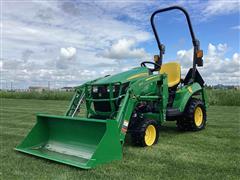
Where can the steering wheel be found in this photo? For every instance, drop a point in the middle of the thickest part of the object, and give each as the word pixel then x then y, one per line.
pixel 157 66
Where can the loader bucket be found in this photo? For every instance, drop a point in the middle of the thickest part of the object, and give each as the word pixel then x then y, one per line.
pixel 79 142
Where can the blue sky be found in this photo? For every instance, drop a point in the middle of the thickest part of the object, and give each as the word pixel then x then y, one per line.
pixel 70 42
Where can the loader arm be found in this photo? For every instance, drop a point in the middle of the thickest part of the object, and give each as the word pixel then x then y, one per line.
pixel 152 88
pixel 78 99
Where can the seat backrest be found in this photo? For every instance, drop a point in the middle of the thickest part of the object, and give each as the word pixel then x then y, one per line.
pixel 173 70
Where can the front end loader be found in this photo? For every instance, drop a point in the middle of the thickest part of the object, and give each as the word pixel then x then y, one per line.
pixel 135 102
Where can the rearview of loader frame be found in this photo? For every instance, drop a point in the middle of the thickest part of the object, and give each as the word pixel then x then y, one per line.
pixel 135 102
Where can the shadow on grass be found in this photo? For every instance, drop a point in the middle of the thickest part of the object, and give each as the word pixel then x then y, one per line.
pixel 169 129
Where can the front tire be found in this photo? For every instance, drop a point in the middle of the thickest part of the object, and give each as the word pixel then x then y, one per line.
pixel 145 133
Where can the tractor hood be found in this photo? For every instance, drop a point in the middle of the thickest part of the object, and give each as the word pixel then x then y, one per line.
pixel 127 76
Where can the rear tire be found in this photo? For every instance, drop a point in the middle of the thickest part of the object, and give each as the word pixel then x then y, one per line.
pixel 145 133
pixel 194 117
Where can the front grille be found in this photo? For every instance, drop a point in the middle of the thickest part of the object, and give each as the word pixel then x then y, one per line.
pixel 104 94
pixel 103 106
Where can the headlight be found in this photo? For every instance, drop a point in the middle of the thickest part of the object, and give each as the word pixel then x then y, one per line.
pixel 95 89
pixel 113 89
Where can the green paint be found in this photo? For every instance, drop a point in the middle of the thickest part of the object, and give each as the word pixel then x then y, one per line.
pixel 183 95
pixel 75 141
pixel 98 138
pixel 124 76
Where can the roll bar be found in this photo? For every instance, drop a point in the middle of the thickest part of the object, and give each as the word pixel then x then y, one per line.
pixel 197 59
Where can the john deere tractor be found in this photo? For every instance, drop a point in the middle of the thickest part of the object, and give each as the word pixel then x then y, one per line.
pixel 136 102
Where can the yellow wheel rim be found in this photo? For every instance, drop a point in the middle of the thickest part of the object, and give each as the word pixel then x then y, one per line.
pixel 150 135
pixel 198 116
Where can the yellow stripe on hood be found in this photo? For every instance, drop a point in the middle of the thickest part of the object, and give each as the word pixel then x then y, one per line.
pixel 137 75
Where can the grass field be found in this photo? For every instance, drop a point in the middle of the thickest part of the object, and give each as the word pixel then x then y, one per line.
pixel 209 154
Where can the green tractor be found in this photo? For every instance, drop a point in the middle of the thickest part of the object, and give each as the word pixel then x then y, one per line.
pixel 136 102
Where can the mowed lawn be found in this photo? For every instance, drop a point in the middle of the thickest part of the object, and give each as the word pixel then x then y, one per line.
pixel 213 153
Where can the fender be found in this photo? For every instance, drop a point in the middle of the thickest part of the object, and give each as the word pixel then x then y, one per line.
pixel 184 94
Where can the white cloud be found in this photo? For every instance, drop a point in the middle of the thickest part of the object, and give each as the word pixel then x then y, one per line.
pixel 68 53
pixel 125 49
pixel 140 10
pixel 185 58
pixel 236 27
pixel 1 65
pixel 213 8
pixel 216 68
pixel 35 31
pixel 81 31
